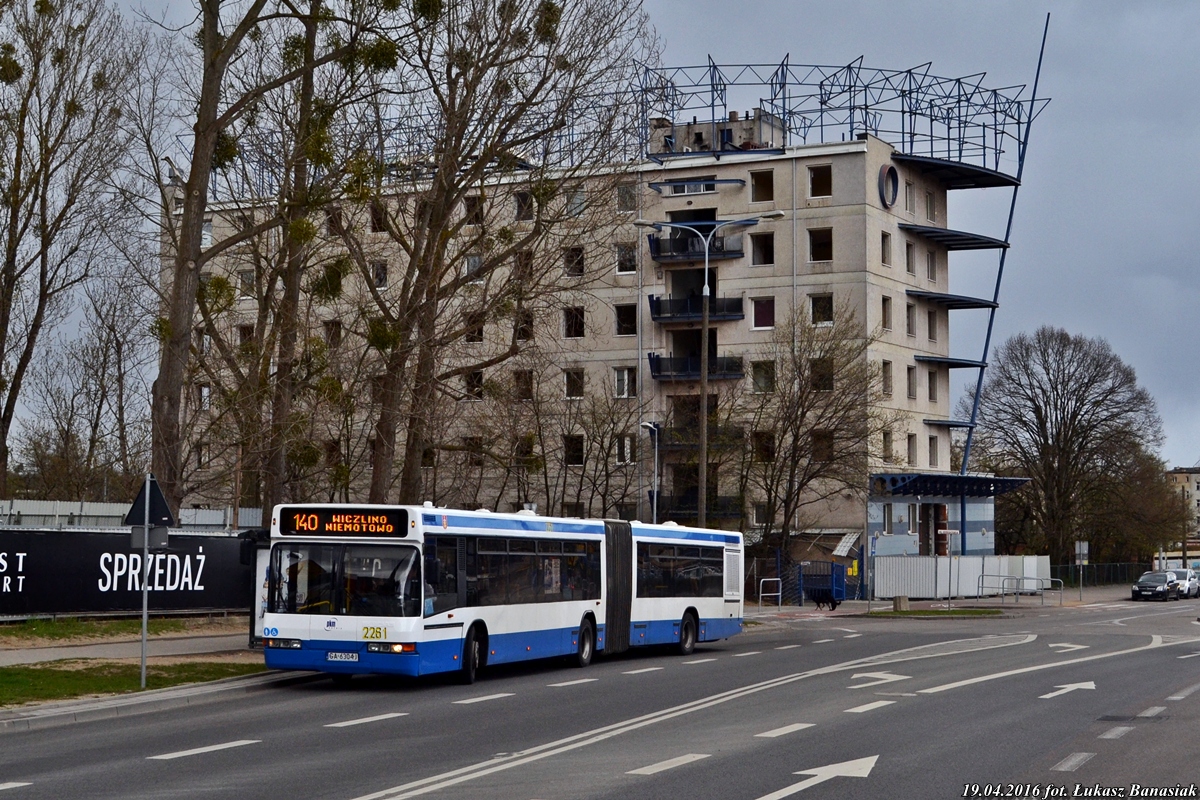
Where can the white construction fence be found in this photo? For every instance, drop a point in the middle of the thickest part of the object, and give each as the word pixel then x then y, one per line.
pixel 932 577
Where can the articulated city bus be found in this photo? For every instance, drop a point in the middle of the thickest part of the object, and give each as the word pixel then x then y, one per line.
pixel 414 590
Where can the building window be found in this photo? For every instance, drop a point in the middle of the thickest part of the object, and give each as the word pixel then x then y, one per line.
pixel 379 274
pixel 760 514
pixel 473 210
pixel 378 217
pixel 473 445
pixel 206 233
pixel 573 322
pixel 428 457
pixel 473 268
pixel 626 257
pixel 911 375
pixel 573 262
pixel 576 202
pixel 523 325
pixel 910 258
pixel 474 328
pixel 245 334
pixel 886 321
pixel 572 451
pixel 821 374
pixel 762 186
pixel 930 208
pixel 332 328
pixel 933 451
pixel 931 265
pixel 473 385
pixel 524 201
pixel 762 446
pixel 626 449
pixel 201 455
pixel 933 386
pixel 201 341
pixel 574 509
pixel 523 384
pixel 333 453
pixel 762 249
pixel 908 196
pixel 820 181
pixel 246 286
pixel 625 382
pixel 820 244
pixel 627 319
pixel 887 519
pixel 931 319
pixel 885 249
pixel 910 319
pixel 333 222
pixel 762 376
pixel 912 460
pixel 203 396
pixel 763 312
pixel 887 447
pixel 522 270
pixel 886 373
pixel 822 445
pixel 574 380
pixel 627 199
pixel 821 308
pixel 697 185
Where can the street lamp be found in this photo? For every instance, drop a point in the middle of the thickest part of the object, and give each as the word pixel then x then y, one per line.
pixel 654 430
pixel 702 471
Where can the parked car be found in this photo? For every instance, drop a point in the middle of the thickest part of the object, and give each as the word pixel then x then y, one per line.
pixel 1189 582
pixel 1157 586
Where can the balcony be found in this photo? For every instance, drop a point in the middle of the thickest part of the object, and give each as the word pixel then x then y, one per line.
pixel 670 368
pixel 689 309
pixel 719 437
pixel 691 248
pixel 683 507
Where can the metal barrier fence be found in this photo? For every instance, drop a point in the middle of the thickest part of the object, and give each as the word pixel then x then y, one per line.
pixel 1099 574
pixel 788 590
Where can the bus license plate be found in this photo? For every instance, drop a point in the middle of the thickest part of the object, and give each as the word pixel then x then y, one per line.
pixel 333 656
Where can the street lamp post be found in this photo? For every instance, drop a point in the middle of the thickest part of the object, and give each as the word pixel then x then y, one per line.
pixel 702 470
pixel 654 430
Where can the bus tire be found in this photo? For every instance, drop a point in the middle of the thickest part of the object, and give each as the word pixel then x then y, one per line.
pixel 587 643
pixel 472 657
pixel 687 634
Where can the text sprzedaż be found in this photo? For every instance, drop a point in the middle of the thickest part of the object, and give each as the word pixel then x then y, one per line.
pixel 165 572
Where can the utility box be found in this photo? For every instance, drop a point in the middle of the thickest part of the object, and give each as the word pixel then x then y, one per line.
pixel 900 602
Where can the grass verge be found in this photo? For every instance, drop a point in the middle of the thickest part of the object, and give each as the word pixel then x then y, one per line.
pixel 941 612
pixel 63 680
pixel 72 628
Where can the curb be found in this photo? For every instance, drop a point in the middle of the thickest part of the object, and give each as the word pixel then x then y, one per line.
pixel 52 715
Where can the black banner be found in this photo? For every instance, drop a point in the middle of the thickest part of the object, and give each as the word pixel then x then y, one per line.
pixel 57 572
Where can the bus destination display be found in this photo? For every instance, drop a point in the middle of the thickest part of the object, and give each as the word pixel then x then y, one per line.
pixel 342 521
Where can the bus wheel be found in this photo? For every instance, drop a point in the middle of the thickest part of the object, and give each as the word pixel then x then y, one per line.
pixel 472 658
pixel 687 634
pixel 587 643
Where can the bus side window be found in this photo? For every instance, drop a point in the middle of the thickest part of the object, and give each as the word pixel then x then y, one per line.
pixel 441 572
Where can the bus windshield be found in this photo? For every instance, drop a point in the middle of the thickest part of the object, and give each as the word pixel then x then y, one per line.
pixel 361 579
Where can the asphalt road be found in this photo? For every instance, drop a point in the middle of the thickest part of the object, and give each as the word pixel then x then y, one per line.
pixel 1104 695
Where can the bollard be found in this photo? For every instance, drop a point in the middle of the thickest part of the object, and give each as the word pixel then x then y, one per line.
pixel 900 603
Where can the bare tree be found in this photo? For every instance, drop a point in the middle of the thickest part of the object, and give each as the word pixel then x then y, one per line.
pixel 1068 413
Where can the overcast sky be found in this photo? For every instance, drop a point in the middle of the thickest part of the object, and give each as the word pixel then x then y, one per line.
pixel 1103 241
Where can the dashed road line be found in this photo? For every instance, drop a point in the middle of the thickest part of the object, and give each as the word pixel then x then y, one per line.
pixel 482 699
pixel 1184 694
pixel 572 683
pixel 786 729
pixel 199 750
pixel 869 706
pixel 700 661
pixel 750 653
pixel 1189 655
pixel 1153 711
pixel 852 636
pixel 794 646
pixel 377 718
pixel 1072 762
pixel 1115 733
pixel 640 671
pixel 670 763
pixel 13 785
pixel 822 641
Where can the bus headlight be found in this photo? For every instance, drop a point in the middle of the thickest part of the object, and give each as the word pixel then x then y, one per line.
pixel 286 644
pixel 391 647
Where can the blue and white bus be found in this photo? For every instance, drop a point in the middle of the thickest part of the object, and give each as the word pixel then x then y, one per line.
pixel 413 590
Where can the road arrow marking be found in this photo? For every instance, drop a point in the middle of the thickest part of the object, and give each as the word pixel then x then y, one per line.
pixel 859 768
pixel 880 677
pixel 1067 687
pixel 1066 648
pixel 13 785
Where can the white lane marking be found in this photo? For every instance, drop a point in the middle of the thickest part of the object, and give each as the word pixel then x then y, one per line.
pixel 572 683
pixel 822 641
pixel 786 729
pixel 700 661
pixel 1116 733
pixel 1066 648
pixel 1156 641
pixel 670 763
pixel 1072 762
pixel 869 706
pixel 879 678
pixel 640 671
pixel 1190 655
pixel 377 718
pixel 1067 687
pixel 794 646
pixel 483 699
pixel 852 636
pixel 13 785
pixel 198 750
pixel 751 653
pixel 1153 711
pixel 858 768
pixel 1184 694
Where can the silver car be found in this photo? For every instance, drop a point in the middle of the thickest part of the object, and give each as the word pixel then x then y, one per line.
pixel 1189 584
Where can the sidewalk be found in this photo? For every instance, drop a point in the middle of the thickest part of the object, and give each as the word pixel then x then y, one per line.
pixel 157 646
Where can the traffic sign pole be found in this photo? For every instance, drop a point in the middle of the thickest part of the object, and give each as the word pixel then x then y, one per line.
pixel 145 593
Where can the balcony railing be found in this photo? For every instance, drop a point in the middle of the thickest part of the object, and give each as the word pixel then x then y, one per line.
pixel 691 248
pixel 685 506
pixel 719 436
pixel 689 309
pixel 673 368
